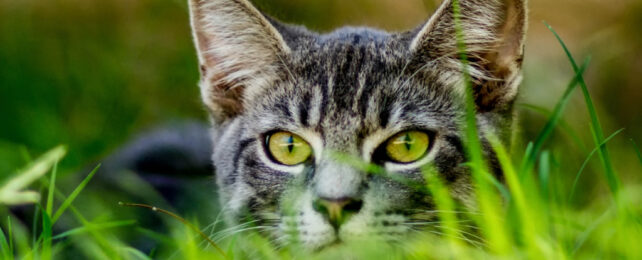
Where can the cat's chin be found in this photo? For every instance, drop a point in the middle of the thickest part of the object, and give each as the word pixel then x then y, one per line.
pixel 347 246
pixel 337 245
pixel 331 239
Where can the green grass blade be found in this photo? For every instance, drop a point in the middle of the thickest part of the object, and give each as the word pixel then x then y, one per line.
pixel 95 227
pixel 152 253
pixel 106 246
pixel 586 161
pixel 10 231
pixel 596 127
pixel 162 239
pixel 488 199
pixel 446 206
pixel 52 186
pixel 583 237
pixel 529 149
pixel 34 225
pixel 18 238
pixel 7 252
pixel 562 123
pixel 544 175
pixel 637 150
pixel 26 156
pixel 231 247
pixel 137 253
pixel 526 209
pixel 65 204
pixel 46 236
pixel 531 156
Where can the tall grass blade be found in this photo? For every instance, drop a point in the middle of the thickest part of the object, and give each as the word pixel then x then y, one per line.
pixel 95 227
pixel 488 199
pixel 586 161
pixel 65 204
pixel 52 186
pixel 46 235
pixel 137 253
pixel 544 175
pixel 34 224
pixel 5 248
pixel 583 237
pixel 26 156
pixel 563 124
pixel 527 210
pixel 182 220
pixel 447 211
pixel 596 127
pixel 490 220
pixel 531 155
pixel 231 246
pixel 10 231
pixel 107 247
pixel 160 238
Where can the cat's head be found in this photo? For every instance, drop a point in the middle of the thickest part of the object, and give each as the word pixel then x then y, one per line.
pixel 289 106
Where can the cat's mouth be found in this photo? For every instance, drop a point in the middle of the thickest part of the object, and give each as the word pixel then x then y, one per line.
pixel 341 242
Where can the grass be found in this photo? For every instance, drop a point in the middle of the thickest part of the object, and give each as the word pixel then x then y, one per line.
pixel 532 215
pixel 596 126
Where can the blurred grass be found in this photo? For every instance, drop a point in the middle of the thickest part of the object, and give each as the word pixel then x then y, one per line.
pixel 90 73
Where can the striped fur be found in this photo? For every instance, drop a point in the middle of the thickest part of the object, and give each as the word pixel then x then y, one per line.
pixel 347 92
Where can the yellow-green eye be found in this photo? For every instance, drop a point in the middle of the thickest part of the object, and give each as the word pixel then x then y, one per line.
pixel 288 148
pixel 408 146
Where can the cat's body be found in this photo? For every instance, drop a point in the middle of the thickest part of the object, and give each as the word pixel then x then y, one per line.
pixel 347 94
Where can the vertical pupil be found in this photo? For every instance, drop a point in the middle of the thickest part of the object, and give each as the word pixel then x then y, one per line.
pixel 407 141
pixel 290 143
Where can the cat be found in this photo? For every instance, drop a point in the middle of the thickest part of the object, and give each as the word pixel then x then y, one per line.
pixel 286 104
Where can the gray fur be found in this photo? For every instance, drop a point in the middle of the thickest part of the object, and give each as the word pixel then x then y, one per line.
pixel 348 92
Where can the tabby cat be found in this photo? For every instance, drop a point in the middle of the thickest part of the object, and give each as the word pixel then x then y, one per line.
pixel 288 106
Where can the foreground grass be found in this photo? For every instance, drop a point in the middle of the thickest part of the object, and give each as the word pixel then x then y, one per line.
pixel 531 215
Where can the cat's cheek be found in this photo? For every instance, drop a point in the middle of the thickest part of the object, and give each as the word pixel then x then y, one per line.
pixel 236 202
pixel 384 227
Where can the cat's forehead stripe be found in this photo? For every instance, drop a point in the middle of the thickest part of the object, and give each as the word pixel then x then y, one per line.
pixel 304 109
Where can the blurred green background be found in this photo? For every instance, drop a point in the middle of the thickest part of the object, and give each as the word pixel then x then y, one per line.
pixel 91 73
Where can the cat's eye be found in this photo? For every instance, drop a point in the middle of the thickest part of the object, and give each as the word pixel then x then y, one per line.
pixel 407 146
pixel 288 148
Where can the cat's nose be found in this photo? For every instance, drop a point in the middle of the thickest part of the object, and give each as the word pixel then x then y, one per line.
pixel 337 211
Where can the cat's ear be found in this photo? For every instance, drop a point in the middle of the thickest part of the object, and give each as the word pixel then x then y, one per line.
pixel 239 52
pixel 493 33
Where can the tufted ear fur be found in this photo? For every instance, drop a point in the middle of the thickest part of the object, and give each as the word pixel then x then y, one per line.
pixel 239 52
pixel 493 33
